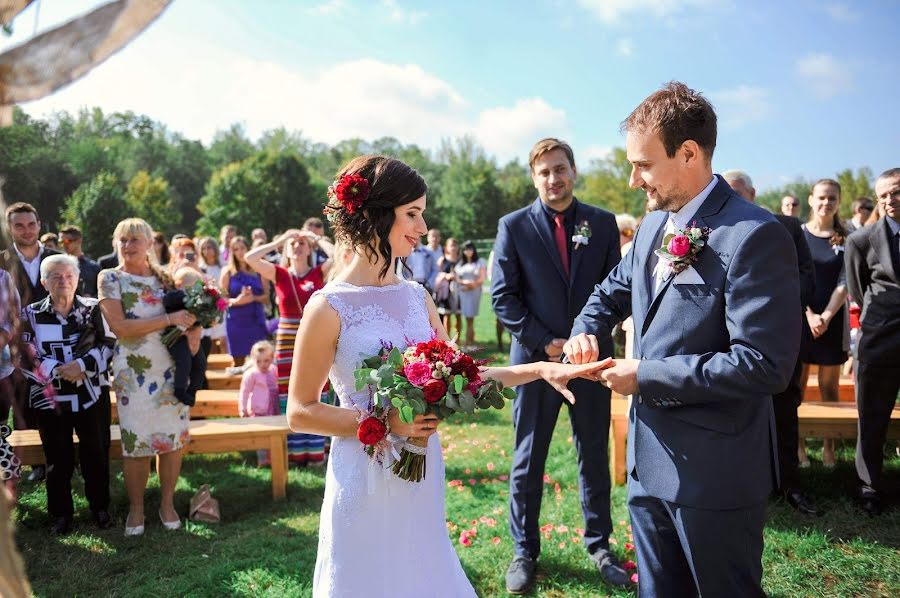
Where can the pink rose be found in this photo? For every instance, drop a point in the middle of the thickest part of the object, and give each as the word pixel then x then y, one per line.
pixel 679 245
pixel 221 304
pixel 418 373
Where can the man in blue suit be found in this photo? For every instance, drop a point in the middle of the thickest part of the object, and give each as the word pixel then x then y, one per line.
pixel 547 259
pixel 713 343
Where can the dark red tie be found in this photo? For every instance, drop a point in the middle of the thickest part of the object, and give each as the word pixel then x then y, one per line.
pixel 559 234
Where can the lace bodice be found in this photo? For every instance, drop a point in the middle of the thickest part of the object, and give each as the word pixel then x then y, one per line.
pixel 395 314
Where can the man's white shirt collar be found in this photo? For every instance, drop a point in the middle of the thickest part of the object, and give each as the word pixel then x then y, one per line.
pixel 682 218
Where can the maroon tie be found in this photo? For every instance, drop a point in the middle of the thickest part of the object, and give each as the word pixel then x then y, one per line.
pixel 559 233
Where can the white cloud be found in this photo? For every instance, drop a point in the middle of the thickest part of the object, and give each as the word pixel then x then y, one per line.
pixel 612 11
pixel 741 105
pixel 363 98
pixel 511 131
pixel 842 13
pixel 825 75
pixel 591 153
pixel 625 47
pixel 329 7
pixel 401 15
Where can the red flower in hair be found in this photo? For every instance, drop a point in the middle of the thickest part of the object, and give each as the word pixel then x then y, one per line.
pixel 351 191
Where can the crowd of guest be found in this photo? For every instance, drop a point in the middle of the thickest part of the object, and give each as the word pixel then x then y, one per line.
pixel 72 329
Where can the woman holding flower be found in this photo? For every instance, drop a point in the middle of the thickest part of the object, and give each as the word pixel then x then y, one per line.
pixel 153 422
pixel 295 279
pixel 377 206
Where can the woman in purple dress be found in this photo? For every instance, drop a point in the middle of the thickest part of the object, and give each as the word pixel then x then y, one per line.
pixel 245 322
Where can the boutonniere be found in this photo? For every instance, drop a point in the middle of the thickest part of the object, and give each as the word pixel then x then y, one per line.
pixel 837 249
pixel 680 249
pixel 582 235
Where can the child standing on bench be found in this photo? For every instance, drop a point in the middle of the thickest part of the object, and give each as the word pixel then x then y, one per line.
pixel 259 388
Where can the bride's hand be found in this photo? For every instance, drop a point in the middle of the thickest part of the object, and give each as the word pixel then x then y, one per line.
pixel 423 426
pixel 558 375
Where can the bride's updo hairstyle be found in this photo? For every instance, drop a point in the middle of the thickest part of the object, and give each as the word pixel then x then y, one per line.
pixel 362 200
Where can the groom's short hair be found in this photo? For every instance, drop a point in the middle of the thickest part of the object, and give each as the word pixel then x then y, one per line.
pixel 548 145
pixel 676 113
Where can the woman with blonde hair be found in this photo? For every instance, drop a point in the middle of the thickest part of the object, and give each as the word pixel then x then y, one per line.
pixel 295 279
pixel 153 422
pixel 245 322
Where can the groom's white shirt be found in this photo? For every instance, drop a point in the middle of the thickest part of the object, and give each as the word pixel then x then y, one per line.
pixel 681 220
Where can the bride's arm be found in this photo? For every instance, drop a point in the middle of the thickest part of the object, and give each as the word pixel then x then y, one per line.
pixel 314 353
pixel 556 374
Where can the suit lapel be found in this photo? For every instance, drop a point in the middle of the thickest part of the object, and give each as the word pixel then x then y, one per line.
pixel 710 206
pixel 545 234
pixel 577 250
pixel 881 240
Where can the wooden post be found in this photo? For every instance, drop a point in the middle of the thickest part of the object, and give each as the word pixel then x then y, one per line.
pixel 278 458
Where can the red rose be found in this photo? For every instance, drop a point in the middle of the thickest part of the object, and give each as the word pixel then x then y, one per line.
pixel 371 430
pixel 434 389
pixel 351 191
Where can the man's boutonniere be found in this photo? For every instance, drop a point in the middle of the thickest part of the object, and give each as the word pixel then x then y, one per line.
pixel 680 249
pixel 582 235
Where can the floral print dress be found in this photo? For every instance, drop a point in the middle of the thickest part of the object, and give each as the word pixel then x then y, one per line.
pixel 151 419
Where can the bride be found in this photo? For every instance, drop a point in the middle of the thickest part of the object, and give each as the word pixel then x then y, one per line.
pixel 380 535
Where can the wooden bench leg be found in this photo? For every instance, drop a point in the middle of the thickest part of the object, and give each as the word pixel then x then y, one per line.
pixel 618 431
pixel 278 458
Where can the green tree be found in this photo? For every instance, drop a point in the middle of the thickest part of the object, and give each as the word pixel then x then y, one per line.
pixel 853 187
pixel 148 197
pixel 97 207
pixel 605 184
pixel 267 190
pixel 229 146
pixel 471 201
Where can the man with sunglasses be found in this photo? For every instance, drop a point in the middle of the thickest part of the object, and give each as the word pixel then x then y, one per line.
pixel 790 206
pixel 70 238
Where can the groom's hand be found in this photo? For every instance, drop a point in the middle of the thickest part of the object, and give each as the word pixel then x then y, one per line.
pixel 554 349
pixel 582 349
pixel 621 378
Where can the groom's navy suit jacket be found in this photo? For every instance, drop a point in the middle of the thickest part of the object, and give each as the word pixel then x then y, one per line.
pixel 531 294
pixel 701 429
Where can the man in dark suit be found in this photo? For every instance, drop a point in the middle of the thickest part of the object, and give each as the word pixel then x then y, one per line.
pixel 23 259
pixel 547 258
pixel 110 260
pixel 873 278
pixel 70 238
pixel 786 403
pixel 23 262
pixel 710 353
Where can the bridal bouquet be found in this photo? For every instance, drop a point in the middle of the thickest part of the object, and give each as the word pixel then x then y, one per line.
pixel 201 299
pixel 433 377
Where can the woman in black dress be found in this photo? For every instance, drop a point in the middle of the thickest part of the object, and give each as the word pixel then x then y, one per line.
pixel 827 342
pixel 446 292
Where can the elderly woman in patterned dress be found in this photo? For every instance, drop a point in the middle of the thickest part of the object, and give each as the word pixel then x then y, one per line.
pixel 152 421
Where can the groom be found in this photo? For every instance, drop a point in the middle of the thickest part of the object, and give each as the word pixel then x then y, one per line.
pixel 712 345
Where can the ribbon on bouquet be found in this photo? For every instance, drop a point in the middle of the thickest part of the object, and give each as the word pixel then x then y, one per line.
pixel 395 445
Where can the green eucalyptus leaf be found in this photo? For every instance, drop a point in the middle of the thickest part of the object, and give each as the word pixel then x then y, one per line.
pixel 406 414
pixel 508 393
pixel 459 383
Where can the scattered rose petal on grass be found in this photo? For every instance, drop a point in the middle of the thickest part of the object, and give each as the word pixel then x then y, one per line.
pixel 561 529
pixel 634 578
pixel 629 565
pixel 471 482
pixel 629 546
pixel 465 540
pixel 454 483
pixel 547 528
pixel 547 479
pixel 467 471
pixel 495 540
pixel 490 467
pixel 613 541
pixel 562 544
pixel 576 539
pixel 503 478
pixel 579 531
pixel 556 488
pixel 622 522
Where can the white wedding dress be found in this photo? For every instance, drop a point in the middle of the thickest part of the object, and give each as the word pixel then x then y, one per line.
pixel 380 535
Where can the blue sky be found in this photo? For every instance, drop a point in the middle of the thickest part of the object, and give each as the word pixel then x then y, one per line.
pixel 802 88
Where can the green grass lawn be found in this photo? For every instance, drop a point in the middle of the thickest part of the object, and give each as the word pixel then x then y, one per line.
pixel 263 548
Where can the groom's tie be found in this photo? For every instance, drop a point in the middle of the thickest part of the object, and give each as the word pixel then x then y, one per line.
pixel 559 233
pixel 660 271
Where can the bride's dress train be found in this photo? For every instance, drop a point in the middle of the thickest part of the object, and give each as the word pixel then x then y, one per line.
pixel 380 535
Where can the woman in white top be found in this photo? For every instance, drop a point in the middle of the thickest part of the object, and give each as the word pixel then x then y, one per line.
pixel 470 273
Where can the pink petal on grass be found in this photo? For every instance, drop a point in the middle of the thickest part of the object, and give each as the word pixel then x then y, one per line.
pixel 579 531
pixel 471 482
pixel 613 541
pixel 634 578
pixel 503 478
pixel 562 544
pixel 629 546
pixel 495 540
pixel 547 479
pixel 547 528
pixel 576 539
pixel 629 565
pixel 490 467
pixel 561 529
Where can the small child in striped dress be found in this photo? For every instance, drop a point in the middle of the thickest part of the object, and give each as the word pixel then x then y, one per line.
pixel 259 388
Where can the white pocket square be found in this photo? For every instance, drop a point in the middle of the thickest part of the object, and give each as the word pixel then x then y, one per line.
pixel 688 276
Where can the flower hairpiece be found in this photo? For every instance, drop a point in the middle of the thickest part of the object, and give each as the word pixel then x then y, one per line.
pixel 351 191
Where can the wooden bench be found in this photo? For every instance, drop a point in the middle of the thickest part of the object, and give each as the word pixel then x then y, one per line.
pixel 817 420
pixel 846 392
pixel 221 380
pixel 209 404
pixel 207 436
pixel 219 361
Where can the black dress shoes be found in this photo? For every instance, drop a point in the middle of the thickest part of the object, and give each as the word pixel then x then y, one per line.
pixel 61 526
pixel 802 503
pixel 38 473
pixel 871 504
pixel 102 519
pixel 611 571
pixel 520 575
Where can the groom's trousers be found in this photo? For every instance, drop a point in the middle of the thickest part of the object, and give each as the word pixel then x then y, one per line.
pixel 684 551
pixel 535 412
